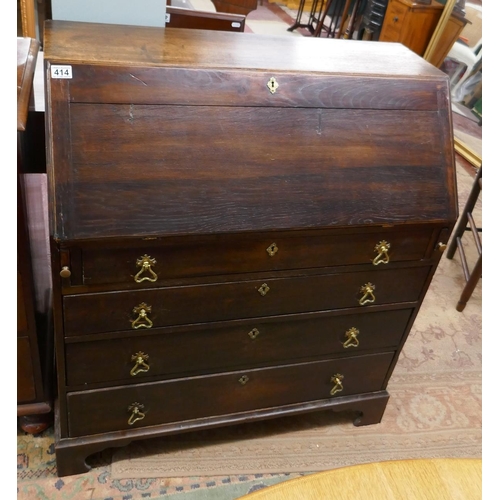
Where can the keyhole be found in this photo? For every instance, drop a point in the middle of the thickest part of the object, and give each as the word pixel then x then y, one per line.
pixel 272 85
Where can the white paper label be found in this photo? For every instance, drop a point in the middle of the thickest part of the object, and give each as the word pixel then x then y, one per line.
pixel 61 72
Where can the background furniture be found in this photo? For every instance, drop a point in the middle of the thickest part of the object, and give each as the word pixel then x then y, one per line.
pixel 178 17
pixel 373 19
pixel 228 243
pixel 314 13
pixel 243 7
pixel 34 347
pixel 425 479
pixel 467 50
pixel 466 223
pixel 413 25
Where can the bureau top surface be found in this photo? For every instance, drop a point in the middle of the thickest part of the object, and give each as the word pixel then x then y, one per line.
pixel 91 43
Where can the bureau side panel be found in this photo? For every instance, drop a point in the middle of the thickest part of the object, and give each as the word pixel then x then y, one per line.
pixel 142 170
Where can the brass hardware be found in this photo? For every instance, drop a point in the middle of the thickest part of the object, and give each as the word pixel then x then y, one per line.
pixel 253 333
pixel 142 321
pixel 337 378
pixel 272 249
pixel 352 338
pixel 65 272
pixel 367 290
pixel 382 247
pixel 442 246
pixel 140 363
pixel 263 289
pixel 145 263
pixel 272 85
pixel 244 379
pixel 137 414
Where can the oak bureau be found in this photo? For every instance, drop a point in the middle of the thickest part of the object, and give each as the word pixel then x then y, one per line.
pixel 242 226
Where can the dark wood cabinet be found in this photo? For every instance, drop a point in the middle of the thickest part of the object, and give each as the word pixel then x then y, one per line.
pixel 237 234
pixel 34 346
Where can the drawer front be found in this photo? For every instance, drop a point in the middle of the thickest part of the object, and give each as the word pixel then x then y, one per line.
pixel 393 22
pixel 187 351
pixel 146 265
pixel 178 400
pixel 147 309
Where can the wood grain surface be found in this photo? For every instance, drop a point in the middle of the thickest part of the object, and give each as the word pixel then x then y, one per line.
pixel 425 479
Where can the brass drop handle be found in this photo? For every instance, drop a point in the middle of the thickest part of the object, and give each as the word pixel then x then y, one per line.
pixel 368 295
pixel 337 379
pixel 65 272
pixel 146 272
pixel 140 366
pixel 382 249
pixel 137 414
pixel 142 320
pixel 352 338
pixel 264 288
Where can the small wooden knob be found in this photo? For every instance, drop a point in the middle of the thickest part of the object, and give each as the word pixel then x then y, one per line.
pixel 65 272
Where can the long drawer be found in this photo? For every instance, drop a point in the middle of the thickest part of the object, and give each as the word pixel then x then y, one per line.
pixel 146 309
pixel 222 394
pixel 192 350
pixel 147 263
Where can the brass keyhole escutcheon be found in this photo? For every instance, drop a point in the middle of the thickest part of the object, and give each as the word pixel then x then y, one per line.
pixel 137 414
pixel 146 273
pixel 352 338
pixel 140 366
pixel 272 249
pixel 337 380
pixel 382 247
pixel 253 333
pixel 142 320
pixel 264 288
pixel 368 295
pixel 272 85
pixel 65 272
pixel 244 379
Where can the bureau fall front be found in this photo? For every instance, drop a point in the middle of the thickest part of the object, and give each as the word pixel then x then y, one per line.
pixel 242 226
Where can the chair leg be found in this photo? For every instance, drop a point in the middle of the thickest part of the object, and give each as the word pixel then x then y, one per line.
pixel 463 220
pixel 470 285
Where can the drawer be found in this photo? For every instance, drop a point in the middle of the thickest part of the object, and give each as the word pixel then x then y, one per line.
pixel 146 309
pixel 211 348
pixel 149 263
pixel 393 22
pixel 187 399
